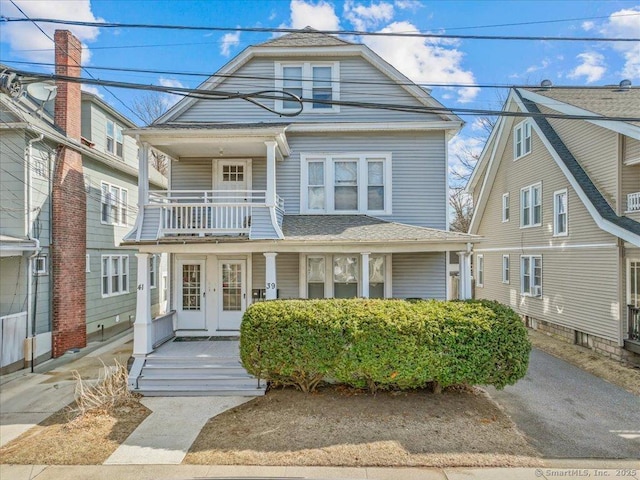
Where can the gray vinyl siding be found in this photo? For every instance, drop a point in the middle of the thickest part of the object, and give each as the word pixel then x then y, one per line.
pixel 13 290
pixel 192 174
pixel 261 224
pixel 596 148
pixel 287 273
pixel 579 288
pixel 418 172
pixel 631 149
pixel 97 125
pixel 41 288
pixel 41 166
pixel 12 180
pixel 419 275
pixel 86 122
pixel 352 71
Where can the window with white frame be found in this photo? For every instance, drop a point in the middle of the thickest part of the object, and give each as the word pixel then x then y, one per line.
pixel 521 139
pixel 633 282
pixel 505 207
pixel 40 264
pixel 376 276
pixel 115 275
pixel 87 265
pixel 531 206
pixel 346 275
pixel 317 81
pixel 353 183
pixel 115 139
pixel 531 275
pixel 316 277
pixel 153 271
pixel 480 270
pixel 506 269
pixel 114 204
pixel 560 213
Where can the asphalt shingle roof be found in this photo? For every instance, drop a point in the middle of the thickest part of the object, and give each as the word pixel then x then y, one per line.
pixel 299 39
pixel 359 228
pixel 590 190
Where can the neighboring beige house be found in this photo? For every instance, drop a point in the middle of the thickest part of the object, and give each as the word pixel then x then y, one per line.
pixel 558 203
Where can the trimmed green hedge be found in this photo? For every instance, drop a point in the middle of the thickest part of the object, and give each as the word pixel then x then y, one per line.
pixel 384 344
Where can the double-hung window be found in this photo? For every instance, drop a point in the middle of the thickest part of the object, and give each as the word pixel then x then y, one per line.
pixel 531 206
pixel 153 271
pixel 506 269
pixel 115 275
pixel 113 204
pixel 521 139
pixel 560 212
pixel 316 277
pixel 531 275
pixel 480 270
pixel 317 82
pixel 505 207
pixel 353 183
pixel 376 276
pixel 346 274
pixel 115 139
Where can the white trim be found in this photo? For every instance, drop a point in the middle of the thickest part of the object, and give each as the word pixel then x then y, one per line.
pixel 306 85
pixel 525 128
pixel 87 264
pixel 507 204
pixel 628 276
pixel 245 162
pixel 531 217
pixel 123 277
pixel 119 204
pixel 547 247
pixel 555 213
pixel 41 264
pixel 362 159
pixel 373 127
pixel 479 271
pixel 532 287
pixel 506 279
pixel 153 271
pixel 624 128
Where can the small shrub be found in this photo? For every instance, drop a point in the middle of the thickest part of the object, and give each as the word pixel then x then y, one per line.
pixel 384 344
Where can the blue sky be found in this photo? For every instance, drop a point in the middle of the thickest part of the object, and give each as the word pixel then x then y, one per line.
pixel 472 62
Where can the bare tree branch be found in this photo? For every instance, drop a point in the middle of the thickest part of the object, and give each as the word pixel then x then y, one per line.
pixel 462 205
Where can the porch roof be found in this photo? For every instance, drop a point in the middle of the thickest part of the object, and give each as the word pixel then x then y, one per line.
pixel 16 246
pixel 362 228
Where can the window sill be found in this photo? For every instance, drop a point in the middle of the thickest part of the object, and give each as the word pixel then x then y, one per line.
pixel 530 226
pixel 349 212
pixel 115 294
pixel 114 224
pixel 530 296
pixel 560 235
pixel 505 283
pixel 521 156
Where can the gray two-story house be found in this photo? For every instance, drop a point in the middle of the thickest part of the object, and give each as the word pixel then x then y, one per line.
pixel 337 201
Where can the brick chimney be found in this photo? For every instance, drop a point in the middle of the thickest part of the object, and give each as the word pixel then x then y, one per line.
pixel 69 204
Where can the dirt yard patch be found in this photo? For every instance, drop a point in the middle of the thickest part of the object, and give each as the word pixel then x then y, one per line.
pixel 86 440
pixel 613 372
pixel 339 426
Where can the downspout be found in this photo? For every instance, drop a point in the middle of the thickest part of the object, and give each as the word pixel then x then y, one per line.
pixel 31 304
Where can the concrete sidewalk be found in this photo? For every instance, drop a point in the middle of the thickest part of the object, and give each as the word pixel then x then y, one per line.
pixel 556 468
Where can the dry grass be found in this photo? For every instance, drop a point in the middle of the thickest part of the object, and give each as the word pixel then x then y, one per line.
pixel 345 427
pixel 88 431
pixel 613 372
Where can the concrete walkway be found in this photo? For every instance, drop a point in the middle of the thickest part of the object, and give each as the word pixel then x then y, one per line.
pixel 166 435
pixel 566 412
pixel 564 469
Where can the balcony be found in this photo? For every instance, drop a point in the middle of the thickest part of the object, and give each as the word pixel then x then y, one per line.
pixel 211 212
pixel 633 202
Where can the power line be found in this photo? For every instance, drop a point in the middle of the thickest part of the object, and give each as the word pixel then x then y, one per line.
pixel 254 98
pixel 311 32
pixel 67 53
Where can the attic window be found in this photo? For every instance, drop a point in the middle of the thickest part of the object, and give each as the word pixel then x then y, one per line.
pixel 317 82
pixel 521 139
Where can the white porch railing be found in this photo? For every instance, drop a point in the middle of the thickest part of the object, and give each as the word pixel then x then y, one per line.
pixel 633 202
pixel 210 211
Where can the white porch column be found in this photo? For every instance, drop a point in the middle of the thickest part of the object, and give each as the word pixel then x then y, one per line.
pixel 143 175
pixel 143 328
pixel 270 276
pixel 271 174
pixel 364 282
pixel 464 290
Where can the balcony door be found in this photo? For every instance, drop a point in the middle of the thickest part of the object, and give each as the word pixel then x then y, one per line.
pixel 191 311
pixel 233 175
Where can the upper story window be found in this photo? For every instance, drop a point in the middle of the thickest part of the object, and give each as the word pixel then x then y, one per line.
pixel 115 139
pixel 316 81
pixel 521 139
pixel 505 207
pixel 560 213
pixel 531 206
pixel 349 183
pixel 113 204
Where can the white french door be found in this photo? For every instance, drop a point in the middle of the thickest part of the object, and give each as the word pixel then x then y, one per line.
pixel 191 304
pixel 232 293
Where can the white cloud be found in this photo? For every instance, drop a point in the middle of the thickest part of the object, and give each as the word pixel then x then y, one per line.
pixel 229 40
pixel 626 23
pixel 168 99
pixel 424 60
pixel 592 67
pixel 92 89
pixel 26 41
pixel 320 15
pixel 363 17
pixel 588 25
pixel 408 4
pixel 534 68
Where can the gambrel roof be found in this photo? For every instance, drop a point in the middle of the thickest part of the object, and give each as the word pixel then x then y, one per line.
pixel 527 100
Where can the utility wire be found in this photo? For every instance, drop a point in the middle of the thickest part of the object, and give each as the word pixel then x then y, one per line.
pixel 253 97
pixel 311 32
pixel 27 18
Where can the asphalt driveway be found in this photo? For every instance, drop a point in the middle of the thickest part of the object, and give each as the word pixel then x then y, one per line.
pixel 568 413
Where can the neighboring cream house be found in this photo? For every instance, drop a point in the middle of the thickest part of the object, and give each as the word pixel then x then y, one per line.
pixel 339 201
pixel 558 204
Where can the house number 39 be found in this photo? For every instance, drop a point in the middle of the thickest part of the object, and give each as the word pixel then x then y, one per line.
pixel 271 285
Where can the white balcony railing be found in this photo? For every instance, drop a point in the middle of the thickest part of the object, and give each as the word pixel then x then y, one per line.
pixel 212 211
pixel 633 202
